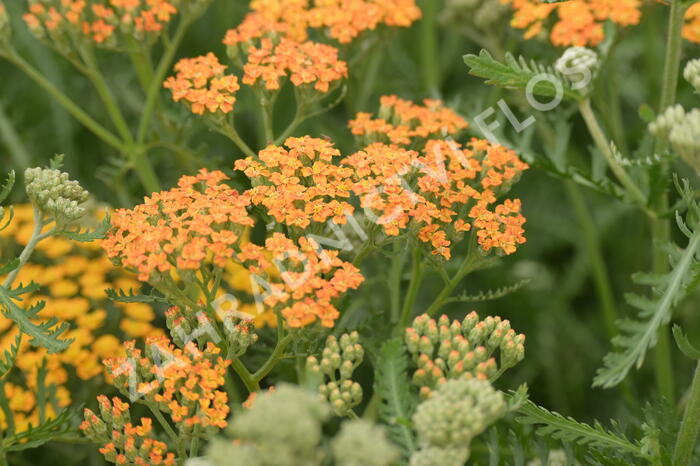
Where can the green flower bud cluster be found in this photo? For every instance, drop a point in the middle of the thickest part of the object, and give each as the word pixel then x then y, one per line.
pixel 339 359
pixel 682 130
pixel 477 14
pixel 691 73
pixel 457 411
pixel 55 195
pixel 361 443
pixel 445 350
pixel 240 334
pixel 284 428
pixel 578 64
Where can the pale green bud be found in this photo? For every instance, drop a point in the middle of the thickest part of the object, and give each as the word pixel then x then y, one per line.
pixel 685 138
pixel 360 443
pixel 664 123
pixel 579 65
pixel 436 456
pixel 55 195
pixel 457 411
pixel 691 73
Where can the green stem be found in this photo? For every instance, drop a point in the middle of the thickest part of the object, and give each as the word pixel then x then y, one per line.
pixel 601 142
pixel 661 227
pixel 273 359
pixel 18 152
pixel 395 273
pixel 690 425
pixel 294 124
pixel 244 374
pixel 413 287
pixel 164 423
pixel 267 111
pixel 77 112
pixel 468 265
pixel 593 252
pixel 26 253
pixel 428 47
pixel 194 445
pixel 161 70
pixel 229 130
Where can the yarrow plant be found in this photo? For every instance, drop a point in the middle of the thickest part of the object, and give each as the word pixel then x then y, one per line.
pixel 300 229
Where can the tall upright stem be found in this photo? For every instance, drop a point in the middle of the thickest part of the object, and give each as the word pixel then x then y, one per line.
pixel 428 47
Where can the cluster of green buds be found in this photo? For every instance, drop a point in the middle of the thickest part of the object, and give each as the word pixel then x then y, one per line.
pixel 361 443
pixel 446 423
pixel 339 359
pixel 691 73
pixel 55 195
pixel 445 350
pixel 579 65
pixel 240 335
pixel 681 130
pixel 473 14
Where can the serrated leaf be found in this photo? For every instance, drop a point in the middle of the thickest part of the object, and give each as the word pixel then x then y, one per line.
pixel 684 344
pixel 10 356
pixel 393 387
pixel 88 236
pixel 9 267
pixel 554 425
pixel 45 334
pixel 638 335
pixel 7 187
pixel 490 295
pixel 33 437
pixel 518 74
pixel 131 297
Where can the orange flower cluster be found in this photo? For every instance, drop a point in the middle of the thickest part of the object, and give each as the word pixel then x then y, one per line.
pixel 432 190
pixel 401 122
pixel 300 184
pixel 308 280
pixel 124 442
pixel 691 30
pixel 343 19
pixel 201 82
pixel 99 20
pixel 579 22
pixel 198 222
pixel 307 63
pixel 184 383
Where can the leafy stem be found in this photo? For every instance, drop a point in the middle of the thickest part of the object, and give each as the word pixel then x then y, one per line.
pixel 36 238
pixel 413 287
pixel 690 426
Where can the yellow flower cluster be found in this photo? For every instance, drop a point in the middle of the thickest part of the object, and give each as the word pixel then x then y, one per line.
pixel 73 278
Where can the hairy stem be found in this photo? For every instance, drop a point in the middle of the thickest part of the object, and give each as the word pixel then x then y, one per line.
pixel 413 287
pixel 690 425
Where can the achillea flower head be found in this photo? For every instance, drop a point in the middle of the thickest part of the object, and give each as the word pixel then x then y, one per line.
pixel 339 359
pixel 430 189
pixel 198 222
pixel 439 456
pixel 458 411
pixel 664 123
pixel 308 282
pixel 298 183
pixel 182 382
pixel 55 195
pixel 309 65
pixel 685 138
pixel 99 21
pixel 578 64
pixel 578 22
pixel 402 122
pixel 124 442
pixel 203 84
pixel 691 73
pixel 361 443
pixel 445 350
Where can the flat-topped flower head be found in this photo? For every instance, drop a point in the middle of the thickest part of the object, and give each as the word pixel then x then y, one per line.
pixel 308 280
pixel 202 83
pixel 298 183
pixel 307 64
pixel 442 190
pixel 55 195
pixel 403 122
pixel 100 21
pixel 198 222
pixel 577 22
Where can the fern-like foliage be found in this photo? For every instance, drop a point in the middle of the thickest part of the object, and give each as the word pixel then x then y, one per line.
pixel 517 73
pixel 10 356
pixel 43 333
pixel 566 429
pixel 490 295
pixel 638 335
pixel 59 426
pixel 132 297
pixel 392 386
pixel 684 344
pixel 87 236
pixel 7 186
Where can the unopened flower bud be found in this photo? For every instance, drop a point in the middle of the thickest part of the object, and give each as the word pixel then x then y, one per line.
pixel 691 73
pixel 55 195
pixel 665 122
pixel 579 65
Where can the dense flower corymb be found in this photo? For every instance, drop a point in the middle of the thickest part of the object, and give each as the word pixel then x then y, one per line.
pixel 197 222
pixel 201 82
